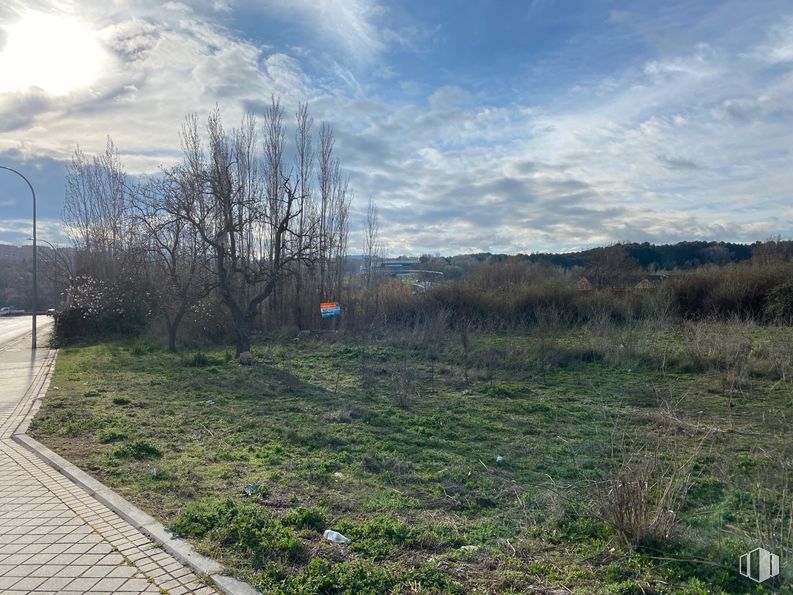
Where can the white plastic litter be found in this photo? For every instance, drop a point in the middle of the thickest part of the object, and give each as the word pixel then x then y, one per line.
pixel 499 459
pixel 335 537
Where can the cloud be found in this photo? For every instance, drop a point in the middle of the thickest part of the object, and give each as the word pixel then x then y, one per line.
pixel 160 69
pixel 679 163
pixel 691 141
pixel 699 64
pixel 778 48
pixel 349 24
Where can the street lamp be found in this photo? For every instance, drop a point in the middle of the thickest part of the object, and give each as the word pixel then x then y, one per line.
pixel 35 280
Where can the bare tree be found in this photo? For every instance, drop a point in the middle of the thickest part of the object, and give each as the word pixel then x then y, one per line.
pixel 371 242
pixel 341 230
pixel 109 273
pixel 96 209
pixel 373 251
pixel 304 164
pixel 178 256
pixel 248 226
pixel 325 174
pixel 334 201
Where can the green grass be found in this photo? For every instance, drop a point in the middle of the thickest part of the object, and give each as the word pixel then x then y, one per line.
pixel 383 441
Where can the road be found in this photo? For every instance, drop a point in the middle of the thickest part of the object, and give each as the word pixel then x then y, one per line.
pixel 13 327
pixel 19 365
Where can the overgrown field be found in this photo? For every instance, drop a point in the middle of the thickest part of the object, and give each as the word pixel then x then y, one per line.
pixel 636 459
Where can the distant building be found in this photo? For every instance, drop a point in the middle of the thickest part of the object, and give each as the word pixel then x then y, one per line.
pixel 401 266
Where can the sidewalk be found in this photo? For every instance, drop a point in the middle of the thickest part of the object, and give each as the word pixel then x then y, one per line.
pixel 54 536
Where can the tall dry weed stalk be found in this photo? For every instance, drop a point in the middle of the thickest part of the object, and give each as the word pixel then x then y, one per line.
pixel 645 492
pixel 465 338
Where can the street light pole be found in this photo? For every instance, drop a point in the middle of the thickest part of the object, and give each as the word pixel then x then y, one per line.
pixel 35 279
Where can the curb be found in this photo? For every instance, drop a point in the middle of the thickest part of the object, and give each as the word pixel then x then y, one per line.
pixel 181 550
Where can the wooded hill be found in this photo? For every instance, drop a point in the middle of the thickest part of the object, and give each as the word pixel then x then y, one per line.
pixel 682 255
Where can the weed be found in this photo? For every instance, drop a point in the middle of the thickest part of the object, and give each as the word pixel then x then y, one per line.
pixel 110 435
pixel 247 528
pixel 305 518
pixel 141 347
pixel 138 450
pixel 199 360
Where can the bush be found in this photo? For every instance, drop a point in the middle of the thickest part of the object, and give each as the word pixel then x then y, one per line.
pixel 110 435
pixel 738 290
pixel 73 323
pixel 199 360
pixel 780 304
pixel 102 309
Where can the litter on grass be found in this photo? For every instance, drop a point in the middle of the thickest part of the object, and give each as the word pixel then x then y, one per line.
pixel 336 537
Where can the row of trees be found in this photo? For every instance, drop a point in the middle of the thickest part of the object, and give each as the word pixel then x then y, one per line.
pixel 255 221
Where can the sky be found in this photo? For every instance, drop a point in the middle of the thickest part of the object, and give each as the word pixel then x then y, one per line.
pixel 475 126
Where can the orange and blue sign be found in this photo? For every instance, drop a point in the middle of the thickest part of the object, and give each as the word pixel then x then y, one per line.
pixel 329 309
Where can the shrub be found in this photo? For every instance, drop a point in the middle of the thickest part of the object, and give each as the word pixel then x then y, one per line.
pixel 143 347
pixel 72 323
pixel 199 360
pixel 101 309
pixel 780 304
pixel 738 290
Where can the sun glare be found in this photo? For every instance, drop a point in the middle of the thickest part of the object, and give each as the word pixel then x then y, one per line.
pixel 55 54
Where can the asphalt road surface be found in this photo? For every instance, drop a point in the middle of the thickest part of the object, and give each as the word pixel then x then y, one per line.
pixel 14 327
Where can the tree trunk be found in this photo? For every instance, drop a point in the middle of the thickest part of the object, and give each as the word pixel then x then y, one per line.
pixel 173 329
pixel 242 327
pixel 172 338
pixel 243 341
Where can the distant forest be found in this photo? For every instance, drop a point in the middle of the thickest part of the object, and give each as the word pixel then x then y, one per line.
pixel 651 257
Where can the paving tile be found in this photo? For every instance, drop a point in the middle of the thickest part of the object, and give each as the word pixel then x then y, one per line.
pixel 109 584
pixel 8 581
pixel 97 571
pixel 82 583
pixel 122 571
pixel 29 583
pixel 135 585
pixel 55 584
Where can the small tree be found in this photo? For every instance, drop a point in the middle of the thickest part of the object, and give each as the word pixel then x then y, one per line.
pixel 177 254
